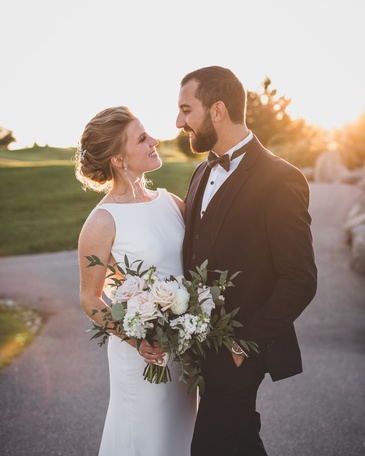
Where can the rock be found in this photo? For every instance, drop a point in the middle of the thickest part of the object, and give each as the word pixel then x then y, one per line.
pixel 329 167
pixel 308 173
pixel 355 231
pixel 357 261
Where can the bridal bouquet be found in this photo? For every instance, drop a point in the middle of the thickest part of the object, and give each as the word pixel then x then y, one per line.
pixel 174 313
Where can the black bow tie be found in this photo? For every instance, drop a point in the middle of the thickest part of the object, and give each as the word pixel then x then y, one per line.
pixel 224 160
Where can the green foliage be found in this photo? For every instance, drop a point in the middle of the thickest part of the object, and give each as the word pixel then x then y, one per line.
pixel 351 142
pixel 14 336
pixel 183 143
pixel 266 113
pixel 36 156
pixel 267 117
pixel 293 140
pixel 186 333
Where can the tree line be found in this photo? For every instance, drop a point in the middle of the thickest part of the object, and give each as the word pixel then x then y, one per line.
pixel 292 139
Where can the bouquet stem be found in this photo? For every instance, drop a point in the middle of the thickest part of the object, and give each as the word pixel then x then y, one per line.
pixel 156 373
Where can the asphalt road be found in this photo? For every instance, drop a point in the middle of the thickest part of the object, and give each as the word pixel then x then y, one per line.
pixel 53 398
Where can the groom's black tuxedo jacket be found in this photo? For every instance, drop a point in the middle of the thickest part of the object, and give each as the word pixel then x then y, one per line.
pixel 258 223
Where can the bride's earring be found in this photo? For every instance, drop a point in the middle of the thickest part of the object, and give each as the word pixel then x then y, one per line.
pixel 124 169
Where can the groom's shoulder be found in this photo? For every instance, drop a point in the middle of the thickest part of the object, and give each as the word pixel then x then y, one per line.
pixel 200 168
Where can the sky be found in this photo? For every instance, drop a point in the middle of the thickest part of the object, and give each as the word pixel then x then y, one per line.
pixel 63 61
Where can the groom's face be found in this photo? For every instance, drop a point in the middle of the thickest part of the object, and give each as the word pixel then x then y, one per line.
pixel 195 119
pixel 204 138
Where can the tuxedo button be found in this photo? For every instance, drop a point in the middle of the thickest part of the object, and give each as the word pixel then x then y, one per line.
pixel 197 236
pixel 194 257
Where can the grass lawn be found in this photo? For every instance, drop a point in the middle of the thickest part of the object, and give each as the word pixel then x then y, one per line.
pixel 14 337
pixel 43 206
pixel 43 209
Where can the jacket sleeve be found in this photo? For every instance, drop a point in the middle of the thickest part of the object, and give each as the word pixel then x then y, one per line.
pixel 287 224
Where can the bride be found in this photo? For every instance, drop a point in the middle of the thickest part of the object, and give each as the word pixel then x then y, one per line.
pixel 143 419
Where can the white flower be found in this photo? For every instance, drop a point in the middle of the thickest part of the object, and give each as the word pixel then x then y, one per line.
pixel 140 310
pixel 205 300
pixel 181 302
pixel 132 286
pixel 163 293
pixel 134 326
pixel 202 327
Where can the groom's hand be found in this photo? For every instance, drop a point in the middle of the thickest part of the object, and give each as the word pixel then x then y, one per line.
pixel 238 359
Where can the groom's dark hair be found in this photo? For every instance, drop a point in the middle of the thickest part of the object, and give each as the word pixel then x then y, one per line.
pixel 220 84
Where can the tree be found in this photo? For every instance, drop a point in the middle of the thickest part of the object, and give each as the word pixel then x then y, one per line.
pixel 351 142
pixel 183 143
pixel 266 116
pixel 292 139
pixel 6 138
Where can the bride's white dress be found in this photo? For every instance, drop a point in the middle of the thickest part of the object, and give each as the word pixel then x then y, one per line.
pixel 145 419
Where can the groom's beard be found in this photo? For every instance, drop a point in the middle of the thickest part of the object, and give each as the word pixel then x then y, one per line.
pixel 205 138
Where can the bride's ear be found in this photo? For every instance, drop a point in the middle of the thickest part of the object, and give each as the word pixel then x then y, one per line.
pixel 117 161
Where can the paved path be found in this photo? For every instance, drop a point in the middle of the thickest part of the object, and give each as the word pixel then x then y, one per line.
pixel 53 398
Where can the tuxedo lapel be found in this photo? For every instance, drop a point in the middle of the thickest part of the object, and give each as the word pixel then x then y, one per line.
pixel 198 183
pixel 233 185
pixel 225 195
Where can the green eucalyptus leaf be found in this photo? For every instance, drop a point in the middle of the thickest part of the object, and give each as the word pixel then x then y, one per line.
pixel 223 276
pixel 215 292
pixel 233 276
pixel 120 269
pixel 118 311
pixel 204 265
pixel 236 324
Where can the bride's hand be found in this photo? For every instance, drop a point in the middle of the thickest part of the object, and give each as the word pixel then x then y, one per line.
pixel 151 354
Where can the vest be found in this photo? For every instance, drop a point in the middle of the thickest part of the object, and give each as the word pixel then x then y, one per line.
pixel 201 242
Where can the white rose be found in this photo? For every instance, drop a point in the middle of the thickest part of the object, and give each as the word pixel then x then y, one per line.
pixel 181 301
pixel 164 293
pixel 208 304
pixel 142 304
pixel 132 286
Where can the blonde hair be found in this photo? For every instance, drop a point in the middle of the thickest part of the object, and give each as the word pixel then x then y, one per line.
pixel 103 137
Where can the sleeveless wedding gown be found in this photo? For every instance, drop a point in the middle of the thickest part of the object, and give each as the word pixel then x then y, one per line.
pixel 145 419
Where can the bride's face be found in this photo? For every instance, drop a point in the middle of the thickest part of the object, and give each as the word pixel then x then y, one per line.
pixel 141 155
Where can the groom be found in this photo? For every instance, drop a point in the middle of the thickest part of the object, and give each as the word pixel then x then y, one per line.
pixel 246 210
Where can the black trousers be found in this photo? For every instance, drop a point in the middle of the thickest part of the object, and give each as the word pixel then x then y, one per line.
pixel 227 423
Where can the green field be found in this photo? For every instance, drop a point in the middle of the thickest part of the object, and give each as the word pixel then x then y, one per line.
pixel 14 337
pixel 43 206
pixel 43 209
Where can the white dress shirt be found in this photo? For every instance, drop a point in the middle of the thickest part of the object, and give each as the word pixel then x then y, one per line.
pixel 218 175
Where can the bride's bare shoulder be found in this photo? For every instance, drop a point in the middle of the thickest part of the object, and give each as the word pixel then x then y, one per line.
pixel 99 223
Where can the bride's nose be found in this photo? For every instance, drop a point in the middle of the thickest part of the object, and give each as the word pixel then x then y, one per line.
pixel 154 142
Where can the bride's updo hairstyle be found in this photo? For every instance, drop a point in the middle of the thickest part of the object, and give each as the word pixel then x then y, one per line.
pixel 103 137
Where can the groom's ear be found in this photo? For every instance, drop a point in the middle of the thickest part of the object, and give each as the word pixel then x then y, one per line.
pixel 218 111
